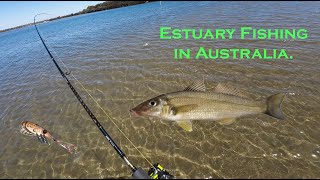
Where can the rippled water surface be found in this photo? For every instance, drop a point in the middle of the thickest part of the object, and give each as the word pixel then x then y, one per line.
pixel 107 52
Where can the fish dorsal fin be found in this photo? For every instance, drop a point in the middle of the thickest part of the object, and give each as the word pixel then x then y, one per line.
pixel 185 125
pixel 196 86
pixel 231 90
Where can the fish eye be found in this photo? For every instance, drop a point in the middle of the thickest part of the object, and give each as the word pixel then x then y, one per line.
pixel 152 103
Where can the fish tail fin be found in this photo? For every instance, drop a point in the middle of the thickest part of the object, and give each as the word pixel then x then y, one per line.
pixel 274 106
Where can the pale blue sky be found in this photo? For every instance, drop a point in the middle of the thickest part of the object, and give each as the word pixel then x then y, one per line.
pixel 15 13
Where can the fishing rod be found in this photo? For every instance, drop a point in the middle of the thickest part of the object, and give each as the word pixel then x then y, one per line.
pixel 155 172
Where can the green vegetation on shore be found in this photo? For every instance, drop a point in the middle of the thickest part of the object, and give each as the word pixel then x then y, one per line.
pixel 98 7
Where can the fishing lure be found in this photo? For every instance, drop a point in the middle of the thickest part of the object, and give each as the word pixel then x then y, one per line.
pixel 32 129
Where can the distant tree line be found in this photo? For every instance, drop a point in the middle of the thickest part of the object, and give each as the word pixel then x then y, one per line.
pixel 103 6
pixel 99 7
pixel 110 5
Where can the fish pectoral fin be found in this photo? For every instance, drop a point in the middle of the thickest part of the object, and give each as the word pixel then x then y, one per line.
pixel 231 90
pixel 196 86
pixel 186 125
pixel 226 121
pixel 184 108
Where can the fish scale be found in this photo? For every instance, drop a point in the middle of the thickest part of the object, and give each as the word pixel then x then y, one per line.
pixel 210 109
pixel 215 96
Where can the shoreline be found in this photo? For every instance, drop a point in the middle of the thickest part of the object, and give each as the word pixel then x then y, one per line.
pixel 107 5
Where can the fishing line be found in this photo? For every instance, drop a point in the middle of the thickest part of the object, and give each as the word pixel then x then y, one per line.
pixel 68 72
pixel 88 110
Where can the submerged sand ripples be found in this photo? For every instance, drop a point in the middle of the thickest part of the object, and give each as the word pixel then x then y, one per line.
pixel 119 71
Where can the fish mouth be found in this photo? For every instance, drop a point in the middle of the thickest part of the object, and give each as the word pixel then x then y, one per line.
pixel 135 113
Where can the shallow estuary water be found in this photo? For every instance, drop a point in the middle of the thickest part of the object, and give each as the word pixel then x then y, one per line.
pixel 119 58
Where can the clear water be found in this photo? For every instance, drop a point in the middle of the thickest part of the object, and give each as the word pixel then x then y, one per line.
pixel 105 52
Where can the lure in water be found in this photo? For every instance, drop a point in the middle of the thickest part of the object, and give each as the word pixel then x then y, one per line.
pixel 32 129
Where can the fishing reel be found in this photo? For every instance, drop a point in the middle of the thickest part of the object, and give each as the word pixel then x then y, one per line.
pixel 158 172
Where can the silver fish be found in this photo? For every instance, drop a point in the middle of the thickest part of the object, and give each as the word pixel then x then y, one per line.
pixel 224 105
